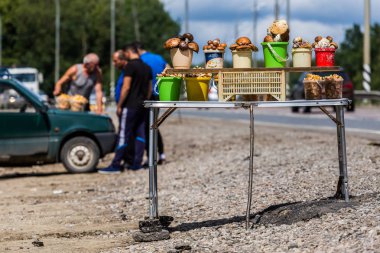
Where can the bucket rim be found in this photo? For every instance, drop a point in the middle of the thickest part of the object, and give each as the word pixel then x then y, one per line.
pixel 238 51
pixel 198 78
pixel 294 50
pixel 213 51
pixel 325 49
pixel 168 77
pixel 275 43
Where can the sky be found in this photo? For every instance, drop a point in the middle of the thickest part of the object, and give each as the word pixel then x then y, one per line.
pixel 226 19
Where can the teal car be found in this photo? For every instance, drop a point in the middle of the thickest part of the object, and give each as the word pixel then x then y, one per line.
pixel 33 132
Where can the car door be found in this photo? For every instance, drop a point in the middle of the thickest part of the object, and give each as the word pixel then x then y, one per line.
pixel 24 131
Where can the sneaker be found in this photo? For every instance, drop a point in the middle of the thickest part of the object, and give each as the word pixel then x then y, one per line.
pixel 162 159
pixel 110 170
pixel 134 167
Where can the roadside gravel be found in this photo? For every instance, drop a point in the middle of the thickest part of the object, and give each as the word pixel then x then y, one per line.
pixel 204 187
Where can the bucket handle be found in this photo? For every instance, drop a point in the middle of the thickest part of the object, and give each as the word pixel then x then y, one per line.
pixel 212 83
pixel 155 89
pixel 276 54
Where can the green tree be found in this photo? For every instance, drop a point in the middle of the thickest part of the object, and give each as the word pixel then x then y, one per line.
pixel 350 55
pixel 28 32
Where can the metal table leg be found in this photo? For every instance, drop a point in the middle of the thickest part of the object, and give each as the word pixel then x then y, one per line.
pixel 153 198
pixel 342 188
pixel 251 154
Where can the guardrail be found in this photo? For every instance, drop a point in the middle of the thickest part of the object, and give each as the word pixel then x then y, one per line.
pixel 362 94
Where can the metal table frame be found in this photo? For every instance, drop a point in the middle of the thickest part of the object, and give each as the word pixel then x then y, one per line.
pixel 155 122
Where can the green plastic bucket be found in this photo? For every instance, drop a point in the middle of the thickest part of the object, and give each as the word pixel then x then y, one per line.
pixel 275 54
pixel 169 88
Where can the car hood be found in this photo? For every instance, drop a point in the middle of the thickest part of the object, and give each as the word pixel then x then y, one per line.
pixel 86 121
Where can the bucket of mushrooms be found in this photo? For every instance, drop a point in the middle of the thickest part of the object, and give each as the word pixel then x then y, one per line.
pixel 275 44
pixel 324 49
pixel 301 53
pixel 214 54
pixel 333 85
pixel 313 86
pixel 63 102
pixel 242 52
pixel 181 50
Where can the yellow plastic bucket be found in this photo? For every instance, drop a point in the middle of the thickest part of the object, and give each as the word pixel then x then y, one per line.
pixel 197 88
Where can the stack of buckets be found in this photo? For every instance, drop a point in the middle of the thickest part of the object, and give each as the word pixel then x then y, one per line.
pixel 169 88
pixel 275 55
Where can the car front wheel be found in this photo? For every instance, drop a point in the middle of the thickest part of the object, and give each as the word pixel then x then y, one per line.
pixel 80 154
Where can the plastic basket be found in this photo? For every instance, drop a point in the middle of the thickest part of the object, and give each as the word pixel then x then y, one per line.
pixel 269 83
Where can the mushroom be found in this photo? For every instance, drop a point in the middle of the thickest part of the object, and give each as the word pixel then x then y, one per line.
pixel 329 38
pixel 188 36
pixel 333 44
pixel 243 41
pixel 194 46
pixel 279 27
pixel 220 48
pixel 233 46
pixel 285 37
pixel 268 38
pixel 183 45
pixel 297 39
pixel 223 45
pixel 243 47
pixel 253 47
pixel 318 38
pixel 216 42
pixel 172 43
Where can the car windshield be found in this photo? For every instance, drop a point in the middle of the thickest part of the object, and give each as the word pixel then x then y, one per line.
pixel 25 77
pixel 30 93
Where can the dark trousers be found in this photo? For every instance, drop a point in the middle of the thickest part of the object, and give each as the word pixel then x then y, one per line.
pixel 132 124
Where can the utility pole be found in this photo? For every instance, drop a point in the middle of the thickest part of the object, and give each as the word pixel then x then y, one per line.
pixel 276 10
pixel 57 39
pixel 255 30
pixel 112 49
pixel 1 41
pixel 236 30
pixel 367 47
pixel 187 16
pixel 288 20
pixel 135 20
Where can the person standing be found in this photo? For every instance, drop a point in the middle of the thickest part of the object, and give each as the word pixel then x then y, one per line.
pixel 119 60
pixel 82 80
pixel 157 64
pixel 136 88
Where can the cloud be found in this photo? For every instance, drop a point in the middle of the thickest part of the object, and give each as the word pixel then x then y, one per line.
pixel 226 19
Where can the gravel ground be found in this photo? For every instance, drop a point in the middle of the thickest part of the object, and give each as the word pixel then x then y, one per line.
pixel 203 186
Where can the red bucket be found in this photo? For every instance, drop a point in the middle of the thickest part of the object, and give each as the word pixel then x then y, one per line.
pixel 324 56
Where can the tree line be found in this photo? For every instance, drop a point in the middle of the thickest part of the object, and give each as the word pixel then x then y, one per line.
pixel 29 32
pixel 29 35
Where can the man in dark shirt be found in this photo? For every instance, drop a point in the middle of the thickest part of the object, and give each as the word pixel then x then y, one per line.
pixel 157 64
pixel 137 87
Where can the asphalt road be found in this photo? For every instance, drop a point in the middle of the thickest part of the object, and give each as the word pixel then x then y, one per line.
pixel 364 120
